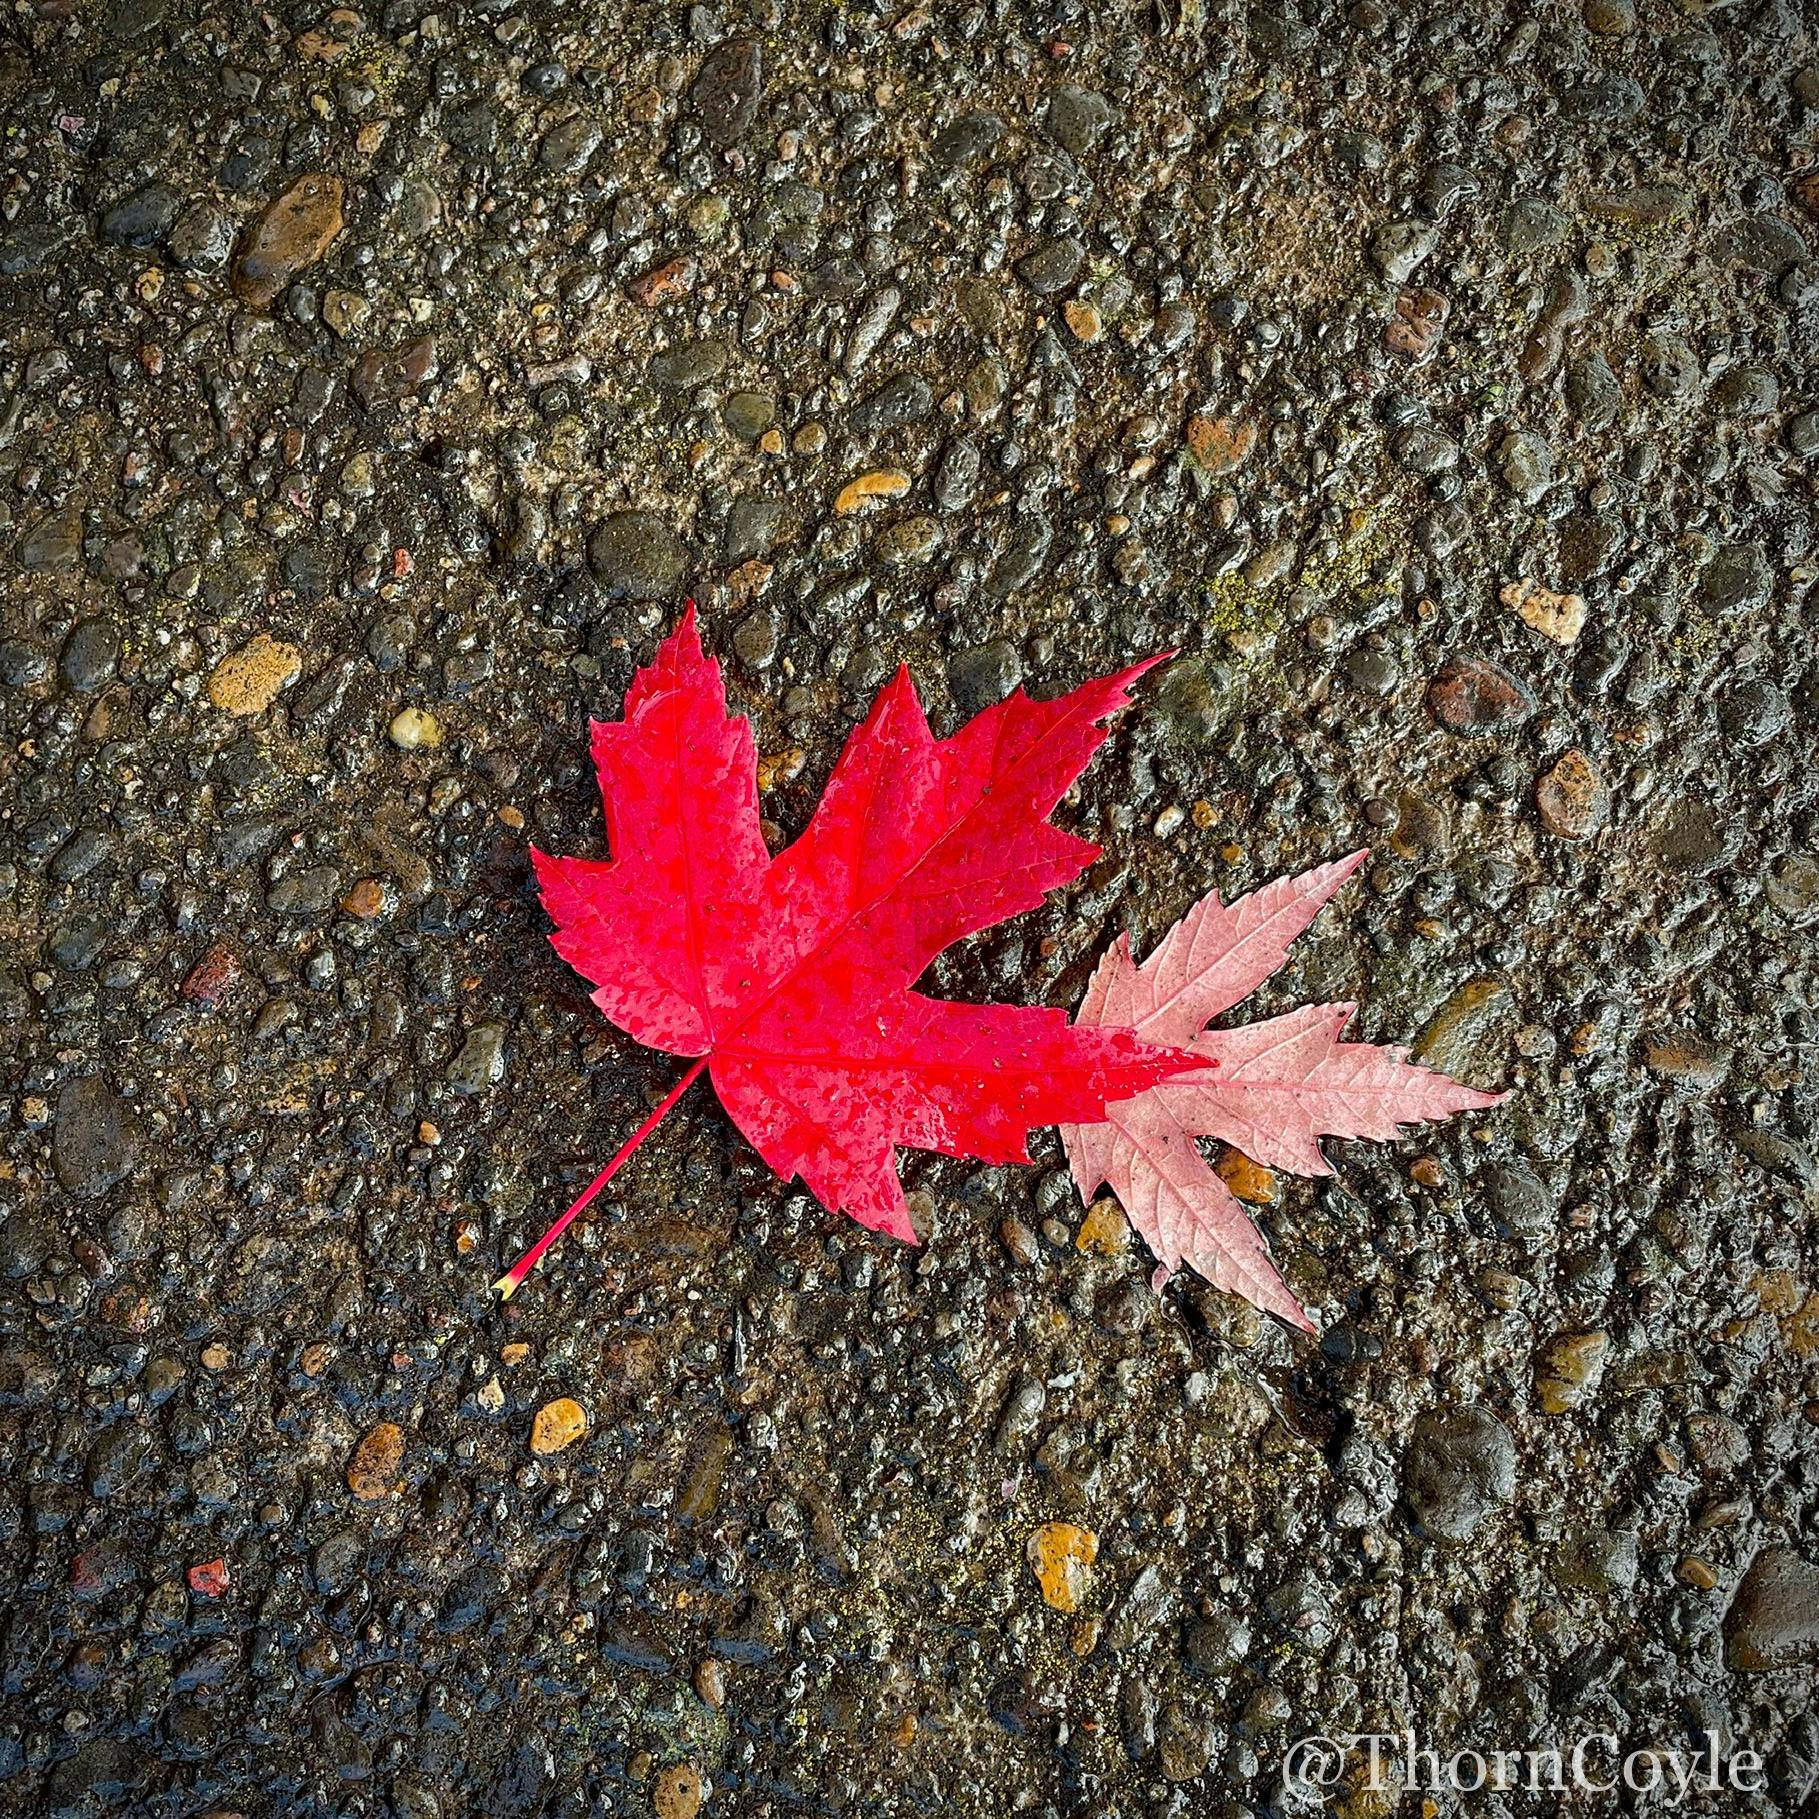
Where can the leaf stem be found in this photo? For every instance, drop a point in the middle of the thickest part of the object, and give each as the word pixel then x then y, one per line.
pixel 508 1283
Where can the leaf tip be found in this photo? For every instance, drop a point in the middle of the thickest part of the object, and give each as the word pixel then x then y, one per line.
pixel 1135 672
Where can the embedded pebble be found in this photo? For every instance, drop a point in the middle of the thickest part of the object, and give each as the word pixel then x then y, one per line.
pixel 679 1791
pixel 249 680
pixel 1471 694
pixel 1571 798
pixel 413 728
pixel 1559 616
pixel 93 1138
pixel 1061 1555
pixel 558 1425
pixel 1773 1621
pixel 1460 1467
pixel 373 1471
pixel 635 554
pixel 292 233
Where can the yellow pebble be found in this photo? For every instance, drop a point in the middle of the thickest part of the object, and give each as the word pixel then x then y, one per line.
pixel 252 678
pixel 679 1792
pixel 882 483
pixel 415 727
pixel 1568 1370
pixel 1104 1229
pixel 1061 1556
pixel 557 1425
pixel 1247 1179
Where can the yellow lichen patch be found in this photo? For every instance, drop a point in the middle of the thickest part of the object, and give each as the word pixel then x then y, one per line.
pixel 373 1471
pixel 1247 1179
pixel 1104 1229
pixel 881 483
pixel 1567 1373
pixel 1061 1556
pixel 557 1425
pixel 1780 1291
pixel 250 679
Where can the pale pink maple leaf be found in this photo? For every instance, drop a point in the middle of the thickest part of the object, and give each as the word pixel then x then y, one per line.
pixel 1279 1087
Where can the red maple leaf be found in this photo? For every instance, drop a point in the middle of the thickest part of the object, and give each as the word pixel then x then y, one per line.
pixel 1280 1085
pixel 789 978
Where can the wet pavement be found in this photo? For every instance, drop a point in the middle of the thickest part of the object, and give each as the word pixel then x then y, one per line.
pixel 373 387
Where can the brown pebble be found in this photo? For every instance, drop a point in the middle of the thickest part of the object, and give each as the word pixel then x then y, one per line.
pixel 387 375
pixel 679 1792
pixel 1220 445
pixel 366 900
pixel 710 1683
pixel 1018 1239
pixel 673 278
pixel 557 1425
pixel 1773 1621
pixel 1473 695
pixel 1083 1638
pixel 1688 1059
pixel 1571 798
pixel 372 1473
pixel 1414 330
pixel 290 235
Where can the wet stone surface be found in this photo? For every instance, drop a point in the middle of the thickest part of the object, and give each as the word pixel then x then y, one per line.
pixel 375 383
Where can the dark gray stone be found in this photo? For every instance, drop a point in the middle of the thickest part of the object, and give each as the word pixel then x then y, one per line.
pixel 1460 1467
pixel 93 1142
pixel 637 556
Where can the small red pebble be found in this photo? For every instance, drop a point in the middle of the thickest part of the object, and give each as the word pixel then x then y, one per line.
pixel 213 976
pixel 209 1580
pixel 401 564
